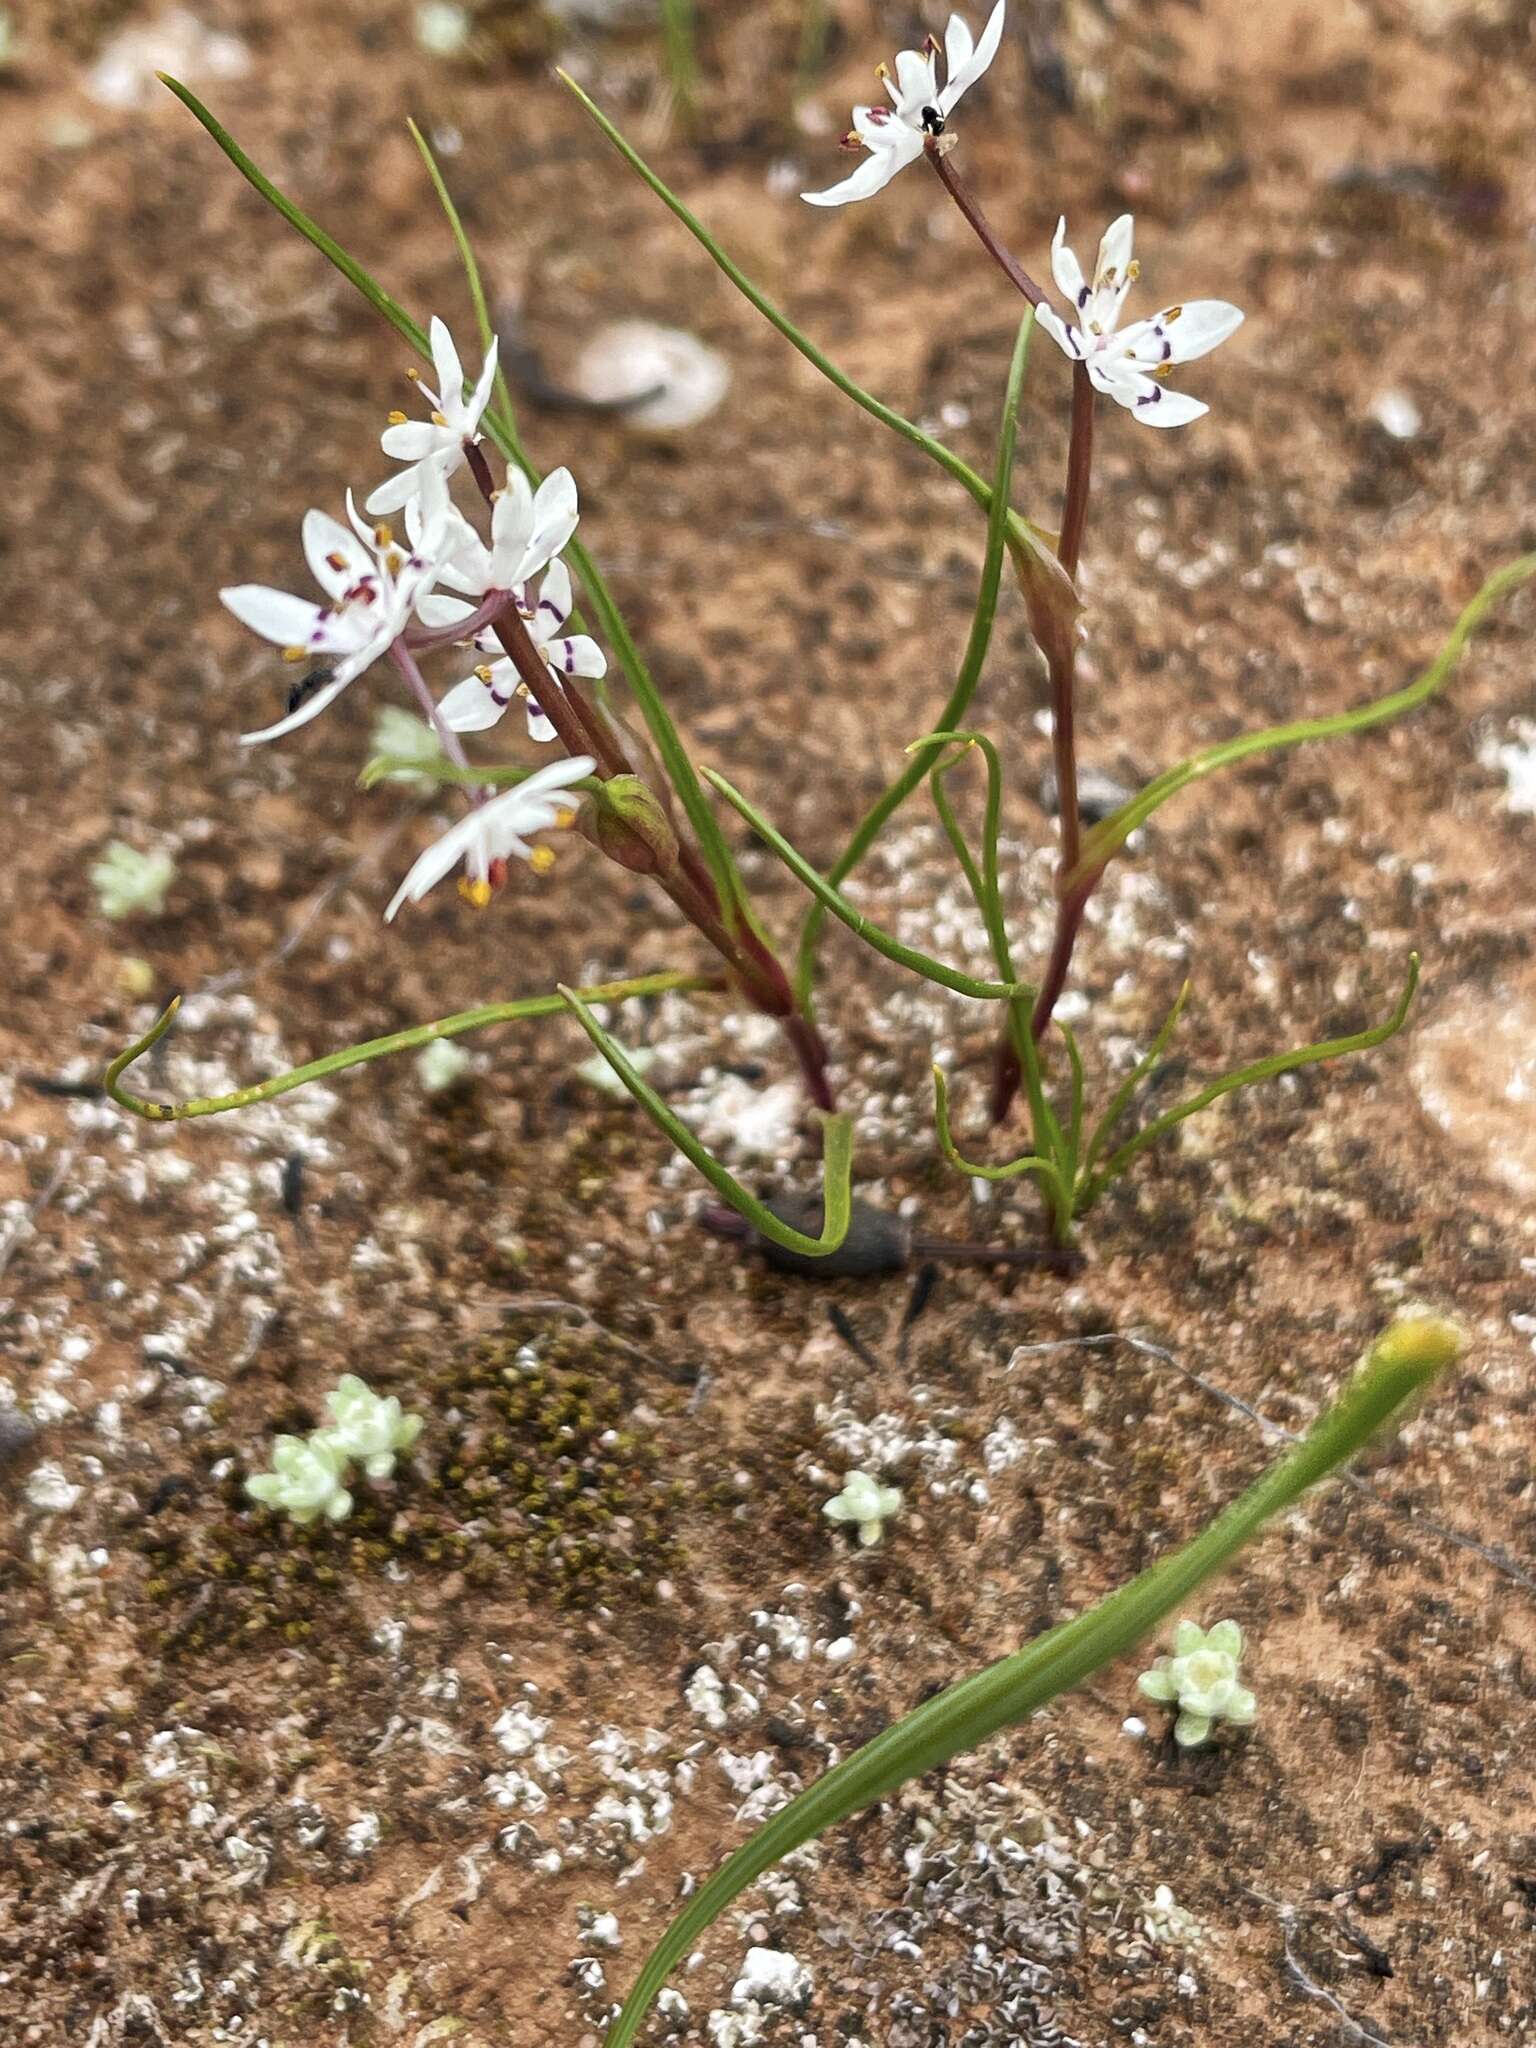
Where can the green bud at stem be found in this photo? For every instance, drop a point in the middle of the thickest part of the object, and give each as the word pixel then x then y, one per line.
pixel 625 821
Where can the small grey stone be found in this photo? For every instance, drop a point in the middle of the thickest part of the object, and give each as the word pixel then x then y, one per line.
pixel 1098 796
pixel 16 1435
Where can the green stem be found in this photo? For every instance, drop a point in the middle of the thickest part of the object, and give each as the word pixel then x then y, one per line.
pixel 1106 839
pixel 885 414
pixel 836 1152
pixel 373 1048
pixel 1401 1364
pixel 927 751
pixel 862 926
pixel 1244 1077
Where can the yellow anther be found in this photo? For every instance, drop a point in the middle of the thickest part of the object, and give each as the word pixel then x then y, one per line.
pixel 384 536
pixel 1173 312
pixel 1163 370
pixel 414 375
pixel 542 859
pixel 1133 270
pixel 295 654
pixel 476 892
pixel 882 72
pixel 337 561
pixel 438 420
pixel 565 819
pixel 398 419
pixel 484 673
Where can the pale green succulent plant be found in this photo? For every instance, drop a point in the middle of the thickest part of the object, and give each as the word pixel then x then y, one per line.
pixel 307 1480
pixel 866 1502
pixel 309 1474
pixel 367 1429
pixel 126 881
pixel 1201 1680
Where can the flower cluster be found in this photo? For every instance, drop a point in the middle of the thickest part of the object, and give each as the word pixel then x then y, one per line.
pixel 444 585
pixel 309 1474
pixel 1200 1679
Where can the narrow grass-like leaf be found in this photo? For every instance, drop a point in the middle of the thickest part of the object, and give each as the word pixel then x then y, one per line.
pixel 1106 839
pixel 972 662
pixel 1058 1192
pixel 818 358
pixel 1244 1077
pixel 1402 1363
pixel 836 1152
pixel 1120 1100
pixel 372 1048
pixel 861 926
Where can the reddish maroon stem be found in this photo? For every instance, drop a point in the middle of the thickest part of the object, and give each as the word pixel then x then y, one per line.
pixel 1060 650
pixel 581 728
pixel 938 155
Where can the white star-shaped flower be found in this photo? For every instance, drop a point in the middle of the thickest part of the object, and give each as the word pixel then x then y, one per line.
pixel 437 443
pixel 372 586
pixel 1128 363
pixel 920 107
pixel 476 704
pixel 494 832
pixel 528 529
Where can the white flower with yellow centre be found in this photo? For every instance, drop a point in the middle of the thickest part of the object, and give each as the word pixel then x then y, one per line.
pixel 437 443
pixel 1128 364
pixel 496 832
pixel 920 107
pixel 372 587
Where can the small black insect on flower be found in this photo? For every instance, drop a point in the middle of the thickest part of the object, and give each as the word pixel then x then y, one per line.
pixel 306 687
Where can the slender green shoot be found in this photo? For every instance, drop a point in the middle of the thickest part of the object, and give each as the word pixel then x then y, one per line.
pixel 1058 1192
pixel 1120 1101
pixel 1244 1077
pixel 861 926
pixel 1401 1365
pixel 373 1048
pixel 680 29
pixel 836 1151
pixel 818 358
pixel 984 882
pixel 927 751
pixel 1106 839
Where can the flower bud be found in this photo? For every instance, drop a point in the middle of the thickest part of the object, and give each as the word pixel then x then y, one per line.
pixel 625 821
pixel 1049 594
